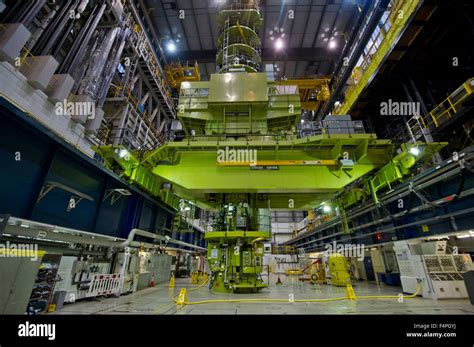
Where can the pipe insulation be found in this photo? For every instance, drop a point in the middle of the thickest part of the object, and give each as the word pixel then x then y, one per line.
pixel 111 67
pixel 91 83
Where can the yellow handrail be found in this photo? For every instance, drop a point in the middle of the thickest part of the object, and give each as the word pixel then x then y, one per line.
pixel 373 61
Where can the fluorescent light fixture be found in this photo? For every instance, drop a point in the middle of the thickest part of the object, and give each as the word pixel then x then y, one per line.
pixel 464 236
pixel 415 151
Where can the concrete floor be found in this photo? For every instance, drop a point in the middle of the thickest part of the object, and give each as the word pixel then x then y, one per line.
pixel 157 301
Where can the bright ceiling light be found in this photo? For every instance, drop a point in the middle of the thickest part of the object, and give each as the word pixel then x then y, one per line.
pixel 415 151
pixel 327 208
pixel 171 47
pixel 279 44
pixel 332 44
pixel 123 153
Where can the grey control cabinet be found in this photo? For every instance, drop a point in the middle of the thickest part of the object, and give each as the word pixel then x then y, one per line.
pixel 17 275
pixel 469 281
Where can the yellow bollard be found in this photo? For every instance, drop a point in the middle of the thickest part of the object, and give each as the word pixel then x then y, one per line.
pixel 182 297
pixel 171 282
pixel 350 292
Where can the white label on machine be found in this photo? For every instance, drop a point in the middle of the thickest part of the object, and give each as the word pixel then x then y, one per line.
pixel 214 253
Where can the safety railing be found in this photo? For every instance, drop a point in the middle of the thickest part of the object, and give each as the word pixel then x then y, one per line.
pixel 448 107
pixel 239 58
pixel 332 127
pixel 252 5
pixel 284 249
pixel 221 132
pixel 283 90
pixel 442 113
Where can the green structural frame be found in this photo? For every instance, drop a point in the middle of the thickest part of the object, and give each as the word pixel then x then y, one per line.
pixel 195 175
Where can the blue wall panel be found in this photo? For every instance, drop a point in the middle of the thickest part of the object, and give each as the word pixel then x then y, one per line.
pixel 20 180
pixel 52 209
pixel 45 157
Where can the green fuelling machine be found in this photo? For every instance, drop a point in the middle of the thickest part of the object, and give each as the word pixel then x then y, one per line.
pixel 236 256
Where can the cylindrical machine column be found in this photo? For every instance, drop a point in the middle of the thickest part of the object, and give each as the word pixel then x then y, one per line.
pixel 239 42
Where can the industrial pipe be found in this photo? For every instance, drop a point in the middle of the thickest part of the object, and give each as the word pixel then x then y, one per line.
pixel 52 31
pixel 36 230
pixel 23 12
pixel 111 67
pixel 91 83
pixel 33 11
pixel 139 232
pixel 77 50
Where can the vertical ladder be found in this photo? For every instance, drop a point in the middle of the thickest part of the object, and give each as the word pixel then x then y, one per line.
pixel 226 43
pixel 414 128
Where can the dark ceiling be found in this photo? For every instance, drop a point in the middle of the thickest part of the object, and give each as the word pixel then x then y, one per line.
pixel 306 36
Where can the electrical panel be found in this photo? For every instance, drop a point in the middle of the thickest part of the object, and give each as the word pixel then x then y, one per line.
pixel 445 274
